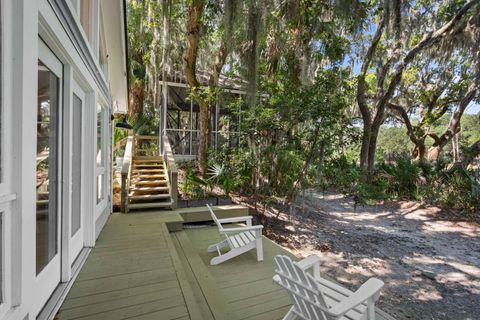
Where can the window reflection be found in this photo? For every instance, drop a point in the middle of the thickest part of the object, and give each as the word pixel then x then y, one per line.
pixel 47 142
pixel 99 136
pixel 100 187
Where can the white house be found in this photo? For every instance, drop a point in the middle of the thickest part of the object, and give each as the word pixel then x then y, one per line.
pixel 63 74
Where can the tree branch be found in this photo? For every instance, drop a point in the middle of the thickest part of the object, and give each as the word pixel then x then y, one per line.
pixel 361 99
pixel 454 125
pixel 406 120
pixel 426 42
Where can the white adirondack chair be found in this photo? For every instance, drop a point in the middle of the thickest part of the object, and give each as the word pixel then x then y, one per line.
pixel 239 239
pixel 316 298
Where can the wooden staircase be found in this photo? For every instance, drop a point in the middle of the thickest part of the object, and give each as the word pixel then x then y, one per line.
pixel 149 186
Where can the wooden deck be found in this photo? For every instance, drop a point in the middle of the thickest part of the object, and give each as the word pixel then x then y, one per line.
pixel 138 270
pixel 241 288
pixel 132 273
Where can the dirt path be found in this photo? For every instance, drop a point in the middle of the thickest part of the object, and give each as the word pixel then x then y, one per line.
pixel 431 267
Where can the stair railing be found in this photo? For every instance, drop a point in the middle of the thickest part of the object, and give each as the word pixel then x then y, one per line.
pixel 147 146
pixel 126 171
pixel 171 171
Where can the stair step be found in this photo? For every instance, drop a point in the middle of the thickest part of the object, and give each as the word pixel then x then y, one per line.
pixel 148 161
pixel 148 158
pixel 143 189
pixel 149 176
pixel 150 182
pixel 132 196
pixel 147 170
pixel 150 205
pixel 135 165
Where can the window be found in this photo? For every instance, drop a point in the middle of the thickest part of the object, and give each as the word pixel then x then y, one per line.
pixel 76 164
pixel 47 165
pixel 101 153
pixel 86 10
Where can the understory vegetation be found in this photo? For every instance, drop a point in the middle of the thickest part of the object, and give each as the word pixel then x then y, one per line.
pixel 370 98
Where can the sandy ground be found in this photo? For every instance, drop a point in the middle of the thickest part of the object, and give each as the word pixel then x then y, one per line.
pixel 430 266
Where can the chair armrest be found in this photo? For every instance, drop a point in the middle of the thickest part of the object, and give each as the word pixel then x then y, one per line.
pixel 241 229
pixel 309 262
pixel 367 291
pixel 235 219
pixel 276 279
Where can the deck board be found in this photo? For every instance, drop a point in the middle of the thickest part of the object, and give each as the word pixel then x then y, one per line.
pixel 242 284
pixel 140 271
pixel 130 273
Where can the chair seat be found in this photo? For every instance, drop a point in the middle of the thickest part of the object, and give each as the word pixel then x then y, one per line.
pixel 335 293
pixel 240 239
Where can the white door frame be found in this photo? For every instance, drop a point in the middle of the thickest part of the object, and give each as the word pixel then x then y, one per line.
pixel 77 240
pixel 49 278
pixel 6 195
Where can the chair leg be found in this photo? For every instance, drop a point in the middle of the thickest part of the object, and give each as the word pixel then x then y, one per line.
pixel 290 315
pixel 259 245
pixel 370 309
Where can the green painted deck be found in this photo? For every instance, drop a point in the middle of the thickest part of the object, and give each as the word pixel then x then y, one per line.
pixel 240 288
pixel 132 273
pixel 138 270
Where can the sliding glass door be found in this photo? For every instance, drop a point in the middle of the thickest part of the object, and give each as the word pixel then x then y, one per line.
pixel 76 217
pixel 48 130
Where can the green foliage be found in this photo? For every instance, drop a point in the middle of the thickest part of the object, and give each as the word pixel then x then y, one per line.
pixel 193 185
pixel 431 182
pixel 218 175
pixel 401 177
pixel 392 142
pixel 303 129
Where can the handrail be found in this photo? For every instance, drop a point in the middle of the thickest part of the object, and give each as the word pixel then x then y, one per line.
pixel 172 171
pixel 126 169
pixel 146 137
pixel 120 144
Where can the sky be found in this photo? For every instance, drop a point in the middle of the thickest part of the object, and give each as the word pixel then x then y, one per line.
pixel 474 108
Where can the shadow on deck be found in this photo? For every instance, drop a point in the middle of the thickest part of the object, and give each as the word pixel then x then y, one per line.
pixel 138 270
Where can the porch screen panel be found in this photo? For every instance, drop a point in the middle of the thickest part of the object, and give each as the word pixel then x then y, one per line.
pixel 76 164
pixel 47 165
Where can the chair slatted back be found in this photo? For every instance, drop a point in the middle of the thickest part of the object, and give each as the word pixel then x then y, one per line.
pixel 308 300
pixel 214 218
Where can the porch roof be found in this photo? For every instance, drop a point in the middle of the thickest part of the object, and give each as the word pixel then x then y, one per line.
pixel 138 270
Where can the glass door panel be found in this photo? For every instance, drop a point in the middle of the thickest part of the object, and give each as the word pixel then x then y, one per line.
pixel 76 164
pixel 47 165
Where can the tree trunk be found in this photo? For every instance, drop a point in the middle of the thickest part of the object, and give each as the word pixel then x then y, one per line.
pixel 455 148
pixel 420 150
pixel 361 97
pixel 434 152
pixel 367 130
pixel 195 13
pixel 137 97
pixel 372 149
pixel 369 141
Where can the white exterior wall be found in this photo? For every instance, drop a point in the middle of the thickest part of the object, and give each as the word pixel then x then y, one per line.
pixel 23 22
